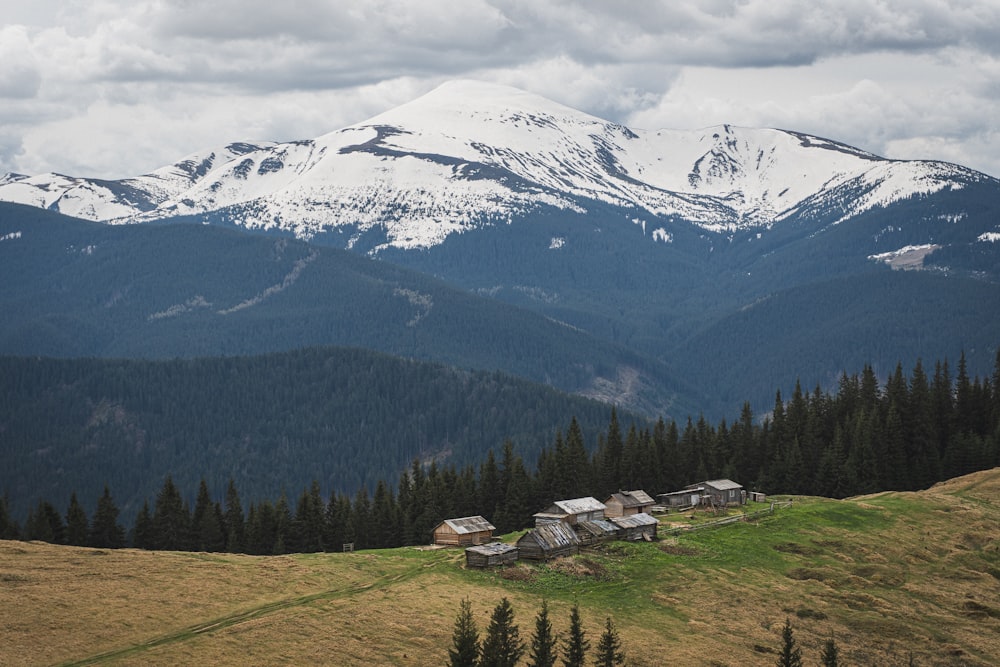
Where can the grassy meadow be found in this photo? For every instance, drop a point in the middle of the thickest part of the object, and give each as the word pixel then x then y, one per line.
pixel 892 577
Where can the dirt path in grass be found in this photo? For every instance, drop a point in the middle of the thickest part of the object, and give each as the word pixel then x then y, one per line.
pixel 228 621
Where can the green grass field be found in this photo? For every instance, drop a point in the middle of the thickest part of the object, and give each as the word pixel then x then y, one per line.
pixel 891 577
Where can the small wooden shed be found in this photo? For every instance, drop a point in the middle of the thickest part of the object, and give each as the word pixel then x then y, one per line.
pixel 549 540
pixel 626 503
pixel 491 555
pixel 571 511
pixel 636 527
pixel 463 532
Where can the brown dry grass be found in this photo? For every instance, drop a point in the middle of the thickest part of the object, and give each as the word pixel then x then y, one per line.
pixel 920 576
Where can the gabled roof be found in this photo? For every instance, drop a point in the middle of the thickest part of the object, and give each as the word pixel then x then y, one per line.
pixel 580 505
pixel 551 536
pixel 636 498
pixel 639 520
pixel 468 524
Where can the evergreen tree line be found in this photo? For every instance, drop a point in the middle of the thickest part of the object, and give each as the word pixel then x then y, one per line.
pixel 502 645
pixel 905 435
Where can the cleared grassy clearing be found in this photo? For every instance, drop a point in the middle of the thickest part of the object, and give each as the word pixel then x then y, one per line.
pixel 887 576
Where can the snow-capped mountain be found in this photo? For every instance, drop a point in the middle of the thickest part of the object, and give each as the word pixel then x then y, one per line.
pixel 107 201
pixel 471 154
pixel 730 260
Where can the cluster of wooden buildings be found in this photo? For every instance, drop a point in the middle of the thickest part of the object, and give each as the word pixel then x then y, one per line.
pixel 560 530
pixel 567 525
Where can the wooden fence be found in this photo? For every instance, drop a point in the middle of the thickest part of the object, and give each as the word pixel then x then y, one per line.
pixel 728 520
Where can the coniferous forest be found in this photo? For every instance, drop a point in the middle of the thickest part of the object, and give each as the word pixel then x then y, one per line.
pixel 902 434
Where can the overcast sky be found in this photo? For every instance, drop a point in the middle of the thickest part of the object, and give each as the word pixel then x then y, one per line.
pixel 115 88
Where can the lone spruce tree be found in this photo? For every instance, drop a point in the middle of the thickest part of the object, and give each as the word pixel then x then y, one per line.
pixel 609 649
pixel 77 526
pixel 575 645
pixel 791 655
pixel 502 646
pixel 543 642
pixel 465 640
pixel 105 531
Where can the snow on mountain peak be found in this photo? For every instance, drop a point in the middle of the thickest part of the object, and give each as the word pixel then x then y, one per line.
pixel 470 153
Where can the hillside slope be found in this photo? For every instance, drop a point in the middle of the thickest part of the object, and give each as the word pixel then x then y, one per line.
pixel 894 578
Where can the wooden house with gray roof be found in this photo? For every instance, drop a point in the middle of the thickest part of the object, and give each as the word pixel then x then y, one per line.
pixel 571 512
pixel 626 503
pixel 547 541
pixel 721 492
pixel 463 532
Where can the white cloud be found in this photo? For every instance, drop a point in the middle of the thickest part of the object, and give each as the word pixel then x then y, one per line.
pixel 114 88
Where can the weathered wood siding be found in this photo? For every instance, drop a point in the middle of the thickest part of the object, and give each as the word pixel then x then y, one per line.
pixel 491 555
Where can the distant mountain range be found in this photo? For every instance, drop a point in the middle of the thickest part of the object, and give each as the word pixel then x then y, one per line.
pixel 678 269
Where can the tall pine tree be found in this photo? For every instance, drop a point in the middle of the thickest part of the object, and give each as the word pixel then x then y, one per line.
pixel 543 641
pixel 790 654
pixel 464 651
pixel 609 648
pixel 77 525
pixel 575 644
pixel 502 646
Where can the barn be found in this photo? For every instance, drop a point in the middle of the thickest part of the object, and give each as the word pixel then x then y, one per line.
pixel 626 503
pixel 463 532
pixel 636 527
pixel 571 511
pixel 491 555
pixel 547 541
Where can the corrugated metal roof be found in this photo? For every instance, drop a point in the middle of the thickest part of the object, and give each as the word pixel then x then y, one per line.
pixel 552 536
pixel 469 524
pixel 580 505
pixel 639 520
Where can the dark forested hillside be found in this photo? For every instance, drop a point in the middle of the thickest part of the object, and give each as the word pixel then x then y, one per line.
pixel 904 435
pixel 70 288
pixel 344 417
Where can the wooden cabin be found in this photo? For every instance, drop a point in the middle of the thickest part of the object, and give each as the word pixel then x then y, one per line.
pixel 491 555
pixel 721 492
pixel 757 496
pixel 547 541
pixel 596 532
pixel 571 512
pixel 627 503
pixel 463 532
pixel 636 527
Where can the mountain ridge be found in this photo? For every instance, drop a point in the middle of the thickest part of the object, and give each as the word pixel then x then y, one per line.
pixel 470 153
